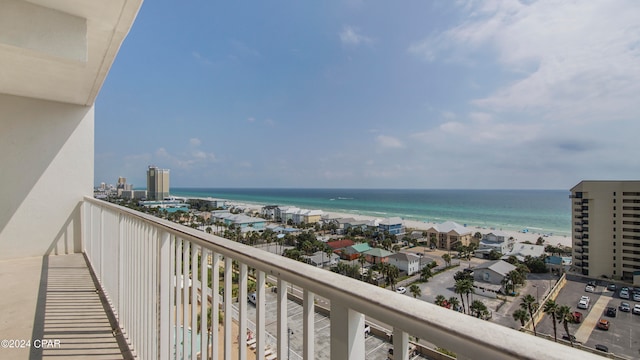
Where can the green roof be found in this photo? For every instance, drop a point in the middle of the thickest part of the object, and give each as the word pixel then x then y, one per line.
pixel 362 247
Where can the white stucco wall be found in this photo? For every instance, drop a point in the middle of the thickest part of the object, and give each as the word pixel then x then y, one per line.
pixel 46 168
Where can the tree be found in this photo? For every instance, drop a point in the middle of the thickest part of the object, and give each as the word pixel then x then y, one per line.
pixel 478 308
pixel 391 272
pixel 540 241
pixel 521 315
pixel 362 259
pixel 455 303
pixel 528 303
pixel 513 278
pixel 433 242
pixel 415 290
pixel 565 316
pixel 425 273
pixel 440 300
pixel 551 307
pixel 463 286
pixel 447 259
pixel 495 255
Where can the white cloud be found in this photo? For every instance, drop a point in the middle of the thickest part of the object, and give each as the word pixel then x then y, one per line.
pixel 452 127
pixel 195 142
pixel 572 61
pixel 350 36
pixel 389 142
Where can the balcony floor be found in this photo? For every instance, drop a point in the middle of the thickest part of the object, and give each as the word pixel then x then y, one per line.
pixel 54 298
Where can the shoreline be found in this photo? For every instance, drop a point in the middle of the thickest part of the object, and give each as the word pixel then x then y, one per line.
pixel 519 237
pixel 531 236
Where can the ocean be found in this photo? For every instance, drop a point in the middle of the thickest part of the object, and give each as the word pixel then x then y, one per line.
pixel 544 211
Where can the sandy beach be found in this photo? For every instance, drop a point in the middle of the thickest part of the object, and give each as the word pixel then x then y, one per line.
pixel 518 236
pixel 419 225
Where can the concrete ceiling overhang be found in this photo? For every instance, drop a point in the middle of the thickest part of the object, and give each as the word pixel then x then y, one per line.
pixel 61 50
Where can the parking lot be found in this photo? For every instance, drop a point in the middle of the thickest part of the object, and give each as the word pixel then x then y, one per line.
pixel 622 336
pixel 376 348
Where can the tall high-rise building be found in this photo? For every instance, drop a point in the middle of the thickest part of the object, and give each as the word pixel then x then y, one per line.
pixel 122 181
pixel 157 183
pixel 606 229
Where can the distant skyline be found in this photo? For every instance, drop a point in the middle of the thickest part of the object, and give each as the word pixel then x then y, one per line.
pixel 354 94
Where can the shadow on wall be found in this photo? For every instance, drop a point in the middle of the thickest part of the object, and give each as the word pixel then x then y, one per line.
pixel 45 163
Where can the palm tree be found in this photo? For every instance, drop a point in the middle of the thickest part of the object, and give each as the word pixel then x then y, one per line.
pixel 447 259
pixel 463 286
pixel 426 273
pixel 565 316
pixel 521 315
pixel 440 300
pixel 479 308
pixel 455 303
pixel 392 275
pixel 551 307
pixel 529 304
pixel 415 290
pixel 362 259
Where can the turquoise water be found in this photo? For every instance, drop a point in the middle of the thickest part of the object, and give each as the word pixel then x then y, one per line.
pixel 547 211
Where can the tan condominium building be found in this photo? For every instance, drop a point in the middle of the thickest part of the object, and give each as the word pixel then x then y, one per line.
pixel 606 229
pixel 157 183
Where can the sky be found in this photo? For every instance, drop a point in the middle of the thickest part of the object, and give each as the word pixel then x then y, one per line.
pixel 378 94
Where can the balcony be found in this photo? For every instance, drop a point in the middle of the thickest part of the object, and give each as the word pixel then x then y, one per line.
pixel 108 282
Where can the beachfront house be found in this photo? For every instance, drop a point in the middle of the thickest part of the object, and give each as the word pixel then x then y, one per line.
pixel 393 225
pixel 269 212
pixel 449 234
pixel 494 241
pixel 285 213
pixel 244 222
pixel 522 250
pixel 305 216
pixel 407 262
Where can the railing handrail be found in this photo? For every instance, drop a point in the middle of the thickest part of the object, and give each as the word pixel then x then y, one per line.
pixel 467 336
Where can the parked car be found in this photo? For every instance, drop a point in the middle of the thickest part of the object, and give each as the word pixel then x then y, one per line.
pixel 602 348
pixel 636 309
pixel 624 293
pixel 577 317
pixel 611 311
pixel 584 302
pixel 569 338
pixel 367 330
pixel 252 298
pixel 611 287
pixel 636 296
pixel 591 283
pixel 624 306
pixel 603 324
pixel 401 290
pixel 589 288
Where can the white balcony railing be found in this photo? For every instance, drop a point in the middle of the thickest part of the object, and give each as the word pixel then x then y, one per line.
pixel 139 258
